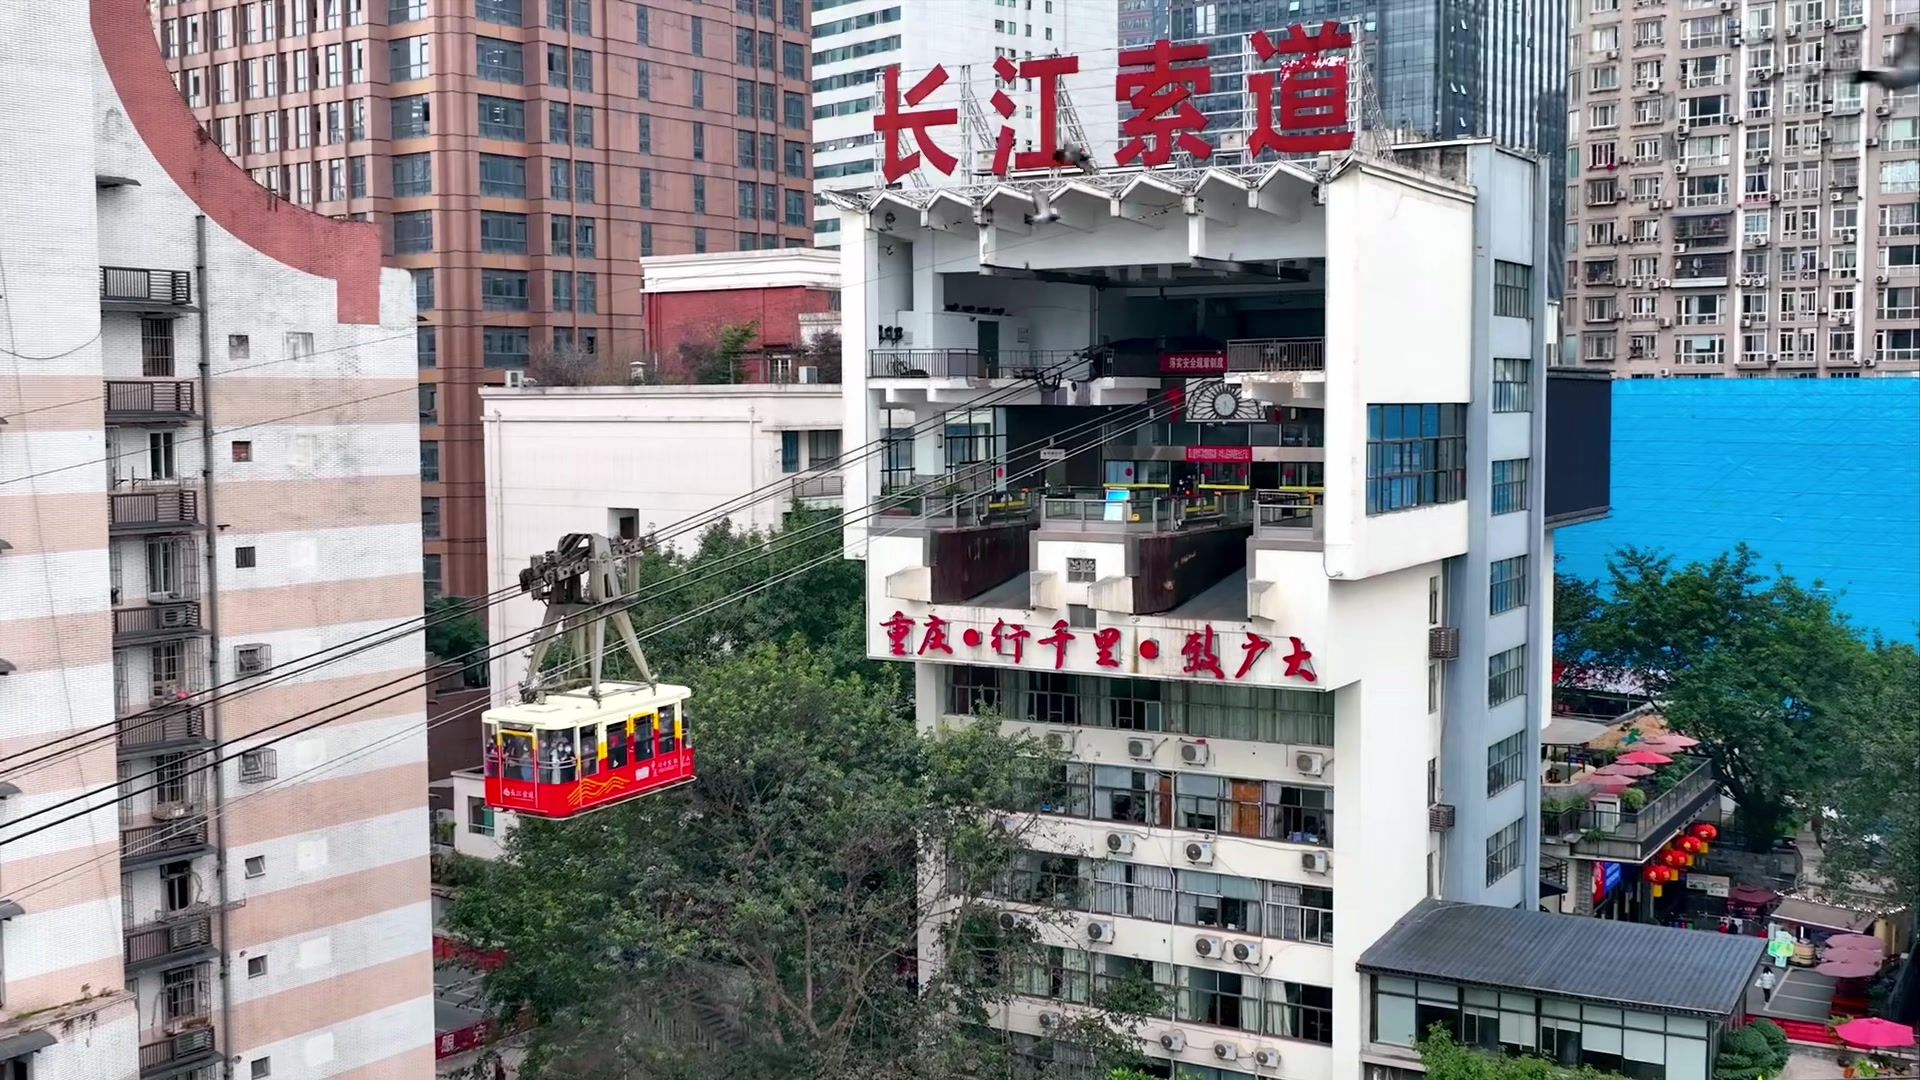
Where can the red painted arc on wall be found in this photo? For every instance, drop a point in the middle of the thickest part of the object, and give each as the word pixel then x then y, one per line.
pixel 346 251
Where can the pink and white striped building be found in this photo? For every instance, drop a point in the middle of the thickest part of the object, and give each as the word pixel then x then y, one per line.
pixel 208 470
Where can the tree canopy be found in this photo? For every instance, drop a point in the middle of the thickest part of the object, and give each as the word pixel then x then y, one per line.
pixel 1754 667
pixel 1869 827
pixel 1447 1059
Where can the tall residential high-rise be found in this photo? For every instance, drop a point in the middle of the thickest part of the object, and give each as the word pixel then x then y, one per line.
pixel 1255 529
pixel 520 158
pixel 206 473
pixel 1742 206
pixel 856 41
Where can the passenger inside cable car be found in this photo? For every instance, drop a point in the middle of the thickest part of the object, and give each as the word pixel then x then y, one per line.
pixel 558 765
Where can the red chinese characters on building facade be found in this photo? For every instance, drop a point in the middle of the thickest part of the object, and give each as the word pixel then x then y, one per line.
pixel 1300 106
pixel 1202 652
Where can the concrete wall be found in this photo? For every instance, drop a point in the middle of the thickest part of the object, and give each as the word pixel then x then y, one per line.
pixel 1819 477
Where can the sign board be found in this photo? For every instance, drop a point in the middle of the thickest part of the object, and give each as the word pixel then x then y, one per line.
pixel 1711 884
pixel 1606 878
pixel 1193 363
pixel 1220 455
pixel 1053 453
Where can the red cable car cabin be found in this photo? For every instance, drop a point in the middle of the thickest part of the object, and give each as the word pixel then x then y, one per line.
pixel 568 755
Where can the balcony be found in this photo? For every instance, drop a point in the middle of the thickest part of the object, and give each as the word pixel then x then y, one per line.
pixel 163 730
pixel 163 511
pixel 1598 831
pixel 1158 514
pixel 886 363
pixel 1277 354
pixel 178 938
pixel 145 845
pixel 819 489
pixel 156 622
pixel 125 288
pixel 172 1055
pixel 1291 516
pixel 169 401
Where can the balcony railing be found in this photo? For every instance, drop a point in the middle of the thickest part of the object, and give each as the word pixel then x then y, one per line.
pixel 151 843
pixel 1628 834
pixel 179 935
pixel 143 287
pixel 973 363
pixel 177 1051
pixel 1156 514
pixel 1290 514
pixel 818 486
pixel 156 621
pixel 180 726
pixel 154 511
pixel 172 399
pixel 1277 354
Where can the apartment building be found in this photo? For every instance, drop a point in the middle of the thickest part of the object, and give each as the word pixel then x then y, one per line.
pixel 856 41
pixel 520 158
pixel 206 472
pixel 1292 629
pixel 1742 208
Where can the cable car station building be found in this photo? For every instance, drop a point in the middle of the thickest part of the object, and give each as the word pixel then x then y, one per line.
pixel 1256 530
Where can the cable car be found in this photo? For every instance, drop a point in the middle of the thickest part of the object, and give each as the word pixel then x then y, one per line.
pixel 569 754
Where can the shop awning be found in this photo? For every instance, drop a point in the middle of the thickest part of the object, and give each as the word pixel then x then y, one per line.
pixel 19 1046
pixel 1824 916
pixel 1569 731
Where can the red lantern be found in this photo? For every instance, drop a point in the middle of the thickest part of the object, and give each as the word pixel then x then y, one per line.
pixel 1674 858
pixel 1691 846
pixel 1705 831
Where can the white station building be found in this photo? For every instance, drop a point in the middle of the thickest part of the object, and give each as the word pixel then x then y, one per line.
pixel 1293 628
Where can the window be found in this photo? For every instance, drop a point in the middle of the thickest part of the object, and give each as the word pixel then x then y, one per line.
pixel 559 127
pixel 1506 762
pixel 1512 290
pixel 410 117
pixel 699 141
pixel 1416 456
pixel 256 966
pixel 407 59
pixel 430 518
pixel 1510 485
pixel 502 176
pixel 1299 913
pixel 503 233
pixel 584 243
pixel 793 59
pixel 479 817
pixel 1503 851
pixel 749 193
pixel 430 576
pixel 426 346
pixel 560 179
pixel 583 70
pixel 422 289
pixel 242 450
pixel 156 347
pixel 640 30
pixel 1506 675
pixel 561 291
pixel 505 346
pixel 646 134
pixel 699 194
pixel 586 294
pixel 412 232
pixel 646 238
pixel 1508 584
pixel 644 81
pixel 583 181
pixel 700 235
pixel 412 175
pixel 499 61
pixel 244 557
pixel 498 12
pixel 256 866
pixel 261 1067
pixel 429 404
pixel 430 462
pixel 1512 385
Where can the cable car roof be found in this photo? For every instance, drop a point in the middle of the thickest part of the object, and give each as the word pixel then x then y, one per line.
pixel 577 706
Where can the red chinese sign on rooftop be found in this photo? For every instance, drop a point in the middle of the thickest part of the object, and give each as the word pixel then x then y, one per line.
pixel 1299 105
pixel 1220 655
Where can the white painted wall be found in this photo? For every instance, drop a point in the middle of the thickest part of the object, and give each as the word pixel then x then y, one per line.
pixel 560 459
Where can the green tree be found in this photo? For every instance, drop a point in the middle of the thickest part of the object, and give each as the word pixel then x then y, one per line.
pixel 1753 667
pixel 453 630
pixel 1753 1052
pixel 1576 602
pixel 719 360
pixel 1870 828
pixel 1446 1059
pixel 771 913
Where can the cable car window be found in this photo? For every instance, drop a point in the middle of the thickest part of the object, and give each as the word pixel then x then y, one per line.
pixel 518 746
pixel 491 758
pixel 668 741
pixel 644 728
pixel 617 736
pixel 589 749
pixel 556 757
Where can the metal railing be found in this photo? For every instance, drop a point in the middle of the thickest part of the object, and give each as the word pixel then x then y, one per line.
pixel 154 510
pixel 147 842
pixel 183 725
pixel 950 509
pixel 972 363
pixel 146 400
pixel 1155 514
pixel 137 285
pixel 177 934
pixel 1277 354
pixel 1290 512
pixel 176 1050
pixel 156 621
pixel 1634 826
pixel 820 486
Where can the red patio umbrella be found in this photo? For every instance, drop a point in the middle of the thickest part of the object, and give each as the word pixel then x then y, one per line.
pixel 1850 942
pixel 1643 757
pixel 1849 967
pixel 1670 741
pixel 1874 1033
pixel 1617 769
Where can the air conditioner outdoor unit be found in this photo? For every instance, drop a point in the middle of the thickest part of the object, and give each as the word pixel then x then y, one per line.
pixel 1836 197
pixel 1245 952
pixel 1310 762
pixel 1872 142
pixel 1207 946
pixel 170 811
pixel 1826 106
pixel 1140 749
pixel 1826 134
pixel 1199 852
pixel 1665 322
pixel 258 766
pixel 1846 318
pixel 1099 929
pixel 1666 283
pixel 1680 169
pixel 809 375
pixel 1682 130
pixel 516 379
pixel 1194 752
pixel 1314 862
pixel 1746 321
pixel 1443 643
pixel 1440 817
pixel 252 659
pixel 1743 281
pixel 1049 1019
pixel 1880 279
pixel 1119 843
pixel 1010 920
pixel 1679 249
pixel 1883 109
pixel 1759 241
pixel 173 617
pixel 1226 1051
pixel 1173 1041
pixel 1266 1058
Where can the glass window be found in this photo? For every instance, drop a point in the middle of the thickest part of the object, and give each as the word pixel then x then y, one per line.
pixel 1504 762
pixel 1300 1011
pixel 426 346
pixel 499 61
pixel 583 181
pixel 1416 456
pixel 422 289
pixel 1220 902
pixel 412 175
pixel 1221 998
pixel 1503 851
pixel 1512 384
pixel 503 290
pixel 1508 584
pixel 560 179
pixel 503 118
pixel 505 346
pixel 498 12
pixel 503 233
pixel 1299 913
pixel 1135 795
pixel 1512 290
pixel 407 59
pixel 410 117
pixel 412 232
pixel 1299 815
pixel 502 176
pixel 1506 675
pixel 1134 890
pixel 584 242
pixel 559 123
pixel 1510 485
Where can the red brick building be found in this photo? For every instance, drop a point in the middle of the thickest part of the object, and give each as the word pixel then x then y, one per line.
pixel 695 298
